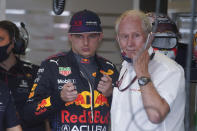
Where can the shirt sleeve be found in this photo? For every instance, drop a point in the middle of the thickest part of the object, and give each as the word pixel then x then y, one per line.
pixel 173 83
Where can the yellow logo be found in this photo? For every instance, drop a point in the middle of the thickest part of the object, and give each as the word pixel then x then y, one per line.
pixel 109 72
pixel 32 90
pixel 44 103
pixel 84 100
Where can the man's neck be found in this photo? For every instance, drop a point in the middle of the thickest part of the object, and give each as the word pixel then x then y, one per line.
pixel 8 63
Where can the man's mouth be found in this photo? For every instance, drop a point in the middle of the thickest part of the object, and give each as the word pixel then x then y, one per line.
pixel 85 49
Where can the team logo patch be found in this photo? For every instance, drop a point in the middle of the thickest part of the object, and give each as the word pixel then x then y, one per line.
pixel 28 75
pixel 65 71
pixel 77 23
pixel 84 100
pixel 94 74
pixel 86 61
pixel 109 72
pixel 44 103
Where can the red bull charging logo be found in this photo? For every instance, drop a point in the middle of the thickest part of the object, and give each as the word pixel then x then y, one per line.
pixel 84 100
pixel 109 72
pixel 42 105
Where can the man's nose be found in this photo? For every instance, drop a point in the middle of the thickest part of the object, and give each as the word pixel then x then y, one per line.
pixel 86 40
pixel 130 41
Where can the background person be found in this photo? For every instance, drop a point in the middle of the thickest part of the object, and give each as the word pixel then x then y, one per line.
pixel 73 89
pixel 166 34
pixel 150 93
pixel 8 118
pixel 17 74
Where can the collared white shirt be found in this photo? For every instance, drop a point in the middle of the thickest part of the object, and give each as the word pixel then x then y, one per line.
pixel 127 111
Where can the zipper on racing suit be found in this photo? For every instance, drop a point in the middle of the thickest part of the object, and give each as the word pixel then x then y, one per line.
pixel 92 98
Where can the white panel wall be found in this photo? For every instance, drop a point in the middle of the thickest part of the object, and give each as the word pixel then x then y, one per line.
pixel 2 9
pixel 46 40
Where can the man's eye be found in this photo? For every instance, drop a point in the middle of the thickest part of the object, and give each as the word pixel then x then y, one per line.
pixel 78 36
pixel 136 35
pixel 1 38
pixel 123 36
pixel 93 35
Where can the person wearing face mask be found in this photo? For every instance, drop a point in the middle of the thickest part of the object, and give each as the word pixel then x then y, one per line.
pixel 17 74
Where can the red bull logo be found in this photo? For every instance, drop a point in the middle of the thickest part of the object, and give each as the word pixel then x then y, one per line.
pixel 85 117
pixel 94 74
pixel 109 72
pixel 77 23
pixel 42 105
pixel 84 100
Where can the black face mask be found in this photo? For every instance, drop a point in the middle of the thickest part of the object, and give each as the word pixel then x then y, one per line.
pixel 3 52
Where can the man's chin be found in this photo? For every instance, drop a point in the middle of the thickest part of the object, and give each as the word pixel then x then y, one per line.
pixel 130 55
pixel 86 55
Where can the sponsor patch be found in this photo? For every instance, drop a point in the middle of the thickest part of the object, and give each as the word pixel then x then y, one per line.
pixel 60 81
pixel 91 23
pixel 65 71
pixel 41 108
pixel 94 74
pixel 28 75
pixel 37 79
pixel 84 100
pixel 85 117
pixel 55 61
pixel 86 61
pixel 40 70
pixel 24 84
pixel 32 90
pixel 77 23
pixel 109 72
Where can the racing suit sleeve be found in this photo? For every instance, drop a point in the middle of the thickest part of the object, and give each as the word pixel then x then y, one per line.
pixel 44 99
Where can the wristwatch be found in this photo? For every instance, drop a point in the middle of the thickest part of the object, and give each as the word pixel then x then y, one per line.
pixel 142 81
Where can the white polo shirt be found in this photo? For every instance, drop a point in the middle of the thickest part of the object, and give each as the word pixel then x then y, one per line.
pixel 127 111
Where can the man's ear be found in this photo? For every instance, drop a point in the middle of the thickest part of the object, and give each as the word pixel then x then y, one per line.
pixel 100 37
pixel 69 36
pixel 117 39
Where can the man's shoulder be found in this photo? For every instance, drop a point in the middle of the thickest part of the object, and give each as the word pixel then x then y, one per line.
pixel 56 56
pixel 166 62
pixel 55 59
pixel 28 65
pixel 104 60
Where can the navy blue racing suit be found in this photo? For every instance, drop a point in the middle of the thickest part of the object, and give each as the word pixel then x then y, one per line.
pixel 90 111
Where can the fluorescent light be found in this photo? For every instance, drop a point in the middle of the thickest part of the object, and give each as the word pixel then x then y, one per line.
pixel 61 25
pixel 15 11
pixel 64 13
pixel 186 31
